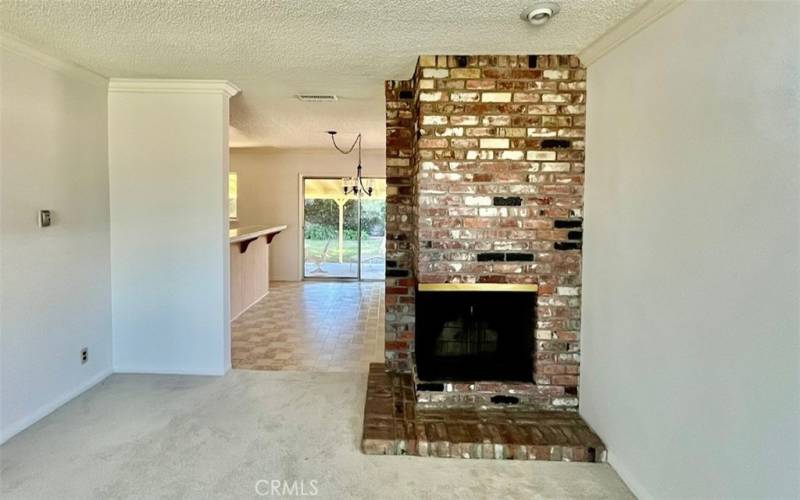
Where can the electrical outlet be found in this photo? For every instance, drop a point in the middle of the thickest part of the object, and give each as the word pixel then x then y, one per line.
pixel 45 218
pixel 84 355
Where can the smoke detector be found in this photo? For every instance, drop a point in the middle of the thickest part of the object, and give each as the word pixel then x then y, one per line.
pixel 317 97
pixel 540 12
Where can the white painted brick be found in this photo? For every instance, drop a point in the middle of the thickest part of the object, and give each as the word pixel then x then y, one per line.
pixel 434 120
pixel 565 401
pixel 435 73
pixel 575 109
pixel 555 167
pixel 569 357
pixel 464 120
pixel 567 290
pixel 475 201
pixel 543 109
pixel 555 74
pixel 511 155
pixel 451 132
pixel 439 176
pixel 541 132
pixel 522 189
pixel 559 98
pixel 496 97
pixel 430 96
pixel 485 154
pixel 541 155
pixel 494 143
pixel 464 97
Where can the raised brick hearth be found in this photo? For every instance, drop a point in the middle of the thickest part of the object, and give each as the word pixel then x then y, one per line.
pixel 485 185
pixel 395 425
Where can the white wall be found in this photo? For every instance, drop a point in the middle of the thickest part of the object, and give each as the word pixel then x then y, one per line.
pixel 168 163
pixel 270 193
pixel 690 303
pixel 55 281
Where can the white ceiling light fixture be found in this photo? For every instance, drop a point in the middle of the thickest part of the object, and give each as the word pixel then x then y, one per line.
pixel 540 12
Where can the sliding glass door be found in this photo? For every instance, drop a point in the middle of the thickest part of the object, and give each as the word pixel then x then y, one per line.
pixel 373 232
pixel 344 235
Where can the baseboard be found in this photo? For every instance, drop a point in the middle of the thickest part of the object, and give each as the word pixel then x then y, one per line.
pixel 43 411
pixel 138 370
pixel 627 477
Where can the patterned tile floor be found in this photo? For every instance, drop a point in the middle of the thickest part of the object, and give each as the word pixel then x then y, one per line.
pixel 312 326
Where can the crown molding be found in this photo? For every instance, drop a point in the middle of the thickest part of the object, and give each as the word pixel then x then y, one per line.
pixel 172 86
pixel 25 49
pixel 644 16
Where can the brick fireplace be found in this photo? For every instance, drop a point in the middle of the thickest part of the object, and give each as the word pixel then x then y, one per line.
pixel 484 161
pixel 485 186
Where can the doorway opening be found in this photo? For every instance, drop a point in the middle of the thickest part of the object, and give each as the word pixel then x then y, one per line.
pixel 344 235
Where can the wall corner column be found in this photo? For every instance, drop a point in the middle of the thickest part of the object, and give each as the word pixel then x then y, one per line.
pixel 168 168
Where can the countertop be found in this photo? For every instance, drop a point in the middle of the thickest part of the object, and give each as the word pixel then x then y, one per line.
pixel 249 232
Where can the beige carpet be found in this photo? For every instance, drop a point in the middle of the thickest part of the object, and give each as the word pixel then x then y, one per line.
pixel 153 436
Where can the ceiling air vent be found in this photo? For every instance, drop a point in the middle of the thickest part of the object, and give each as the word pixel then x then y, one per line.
pixel 317 97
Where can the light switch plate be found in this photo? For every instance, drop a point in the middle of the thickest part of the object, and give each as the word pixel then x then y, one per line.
pixel 44 218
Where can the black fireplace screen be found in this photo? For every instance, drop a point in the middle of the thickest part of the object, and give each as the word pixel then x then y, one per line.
pixel 475 336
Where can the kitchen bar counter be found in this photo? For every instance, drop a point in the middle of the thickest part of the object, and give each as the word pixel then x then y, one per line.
pixel 248 232
pixel 249 261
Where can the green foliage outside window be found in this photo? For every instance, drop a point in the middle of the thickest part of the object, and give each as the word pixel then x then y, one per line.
pixel 322 219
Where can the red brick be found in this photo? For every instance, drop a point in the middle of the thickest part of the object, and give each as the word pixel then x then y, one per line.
pixel 429 201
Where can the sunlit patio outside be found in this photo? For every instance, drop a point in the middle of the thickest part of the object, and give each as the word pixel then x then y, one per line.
pixel 331 231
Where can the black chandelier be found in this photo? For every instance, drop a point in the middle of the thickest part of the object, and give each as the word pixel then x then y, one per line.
pixel 355 184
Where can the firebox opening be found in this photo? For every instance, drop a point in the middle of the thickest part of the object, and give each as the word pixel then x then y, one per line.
pixel 475 336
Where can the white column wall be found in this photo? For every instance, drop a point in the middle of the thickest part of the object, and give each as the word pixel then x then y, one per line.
pixel 168 165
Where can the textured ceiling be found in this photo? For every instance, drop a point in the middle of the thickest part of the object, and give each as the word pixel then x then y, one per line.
pixel 276 49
